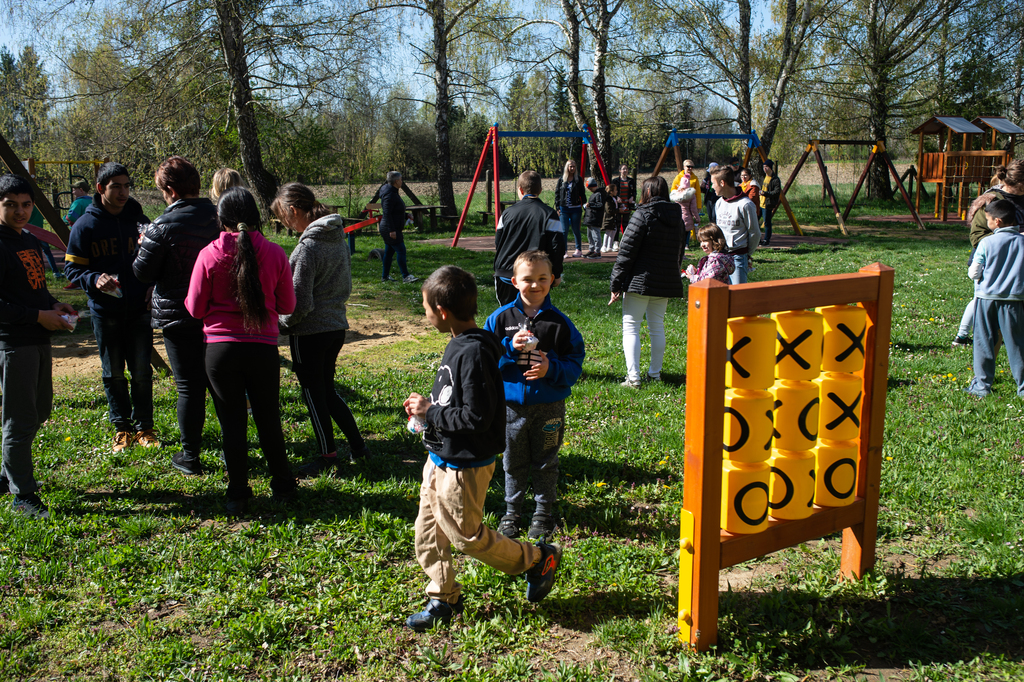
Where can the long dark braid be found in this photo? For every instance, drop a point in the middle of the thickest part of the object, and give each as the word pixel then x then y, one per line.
pixel 237 210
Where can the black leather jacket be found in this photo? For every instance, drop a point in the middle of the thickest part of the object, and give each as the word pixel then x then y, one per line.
pixel 167 252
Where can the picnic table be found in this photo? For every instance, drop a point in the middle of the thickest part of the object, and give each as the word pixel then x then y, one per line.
pixel 417 211
pixel 484 215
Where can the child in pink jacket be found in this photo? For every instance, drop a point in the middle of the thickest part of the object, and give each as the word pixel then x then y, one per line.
pixel 714 264
pixel 240 284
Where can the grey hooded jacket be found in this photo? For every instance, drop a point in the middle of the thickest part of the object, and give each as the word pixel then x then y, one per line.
pixel 322 275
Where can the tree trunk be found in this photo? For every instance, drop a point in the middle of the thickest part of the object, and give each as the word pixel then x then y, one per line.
pixel 602 126
pixel 793 37
pixel 879 74
pixel 742 84
pixel 572 36
pixel 232 42
pixel 442 106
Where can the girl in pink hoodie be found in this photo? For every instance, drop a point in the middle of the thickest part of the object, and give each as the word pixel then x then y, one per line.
pixel 240 284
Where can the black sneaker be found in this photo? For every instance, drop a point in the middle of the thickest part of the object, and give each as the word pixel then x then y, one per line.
pixel 238 506
pixel 962 341
pixel 509 526
pixel 542 526
pixel 436 611
pixel 187 465
pixel 287 497
pixel 541 578
pixel 362 453
pixel 320 466
pixel 31 506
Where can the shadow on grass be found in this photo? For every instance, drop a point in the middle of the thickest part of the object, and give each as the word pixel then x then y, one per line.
pixel 591 376
pixel 918 621
pixel 323 504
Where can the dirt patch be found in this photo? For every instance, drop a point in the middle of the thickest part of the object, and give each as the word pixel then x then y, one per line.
pixel 77 355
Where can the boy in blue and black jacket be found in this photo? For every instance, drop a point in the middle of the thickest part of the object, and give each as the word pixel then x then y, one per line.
pixel 99 258
pixel 543 358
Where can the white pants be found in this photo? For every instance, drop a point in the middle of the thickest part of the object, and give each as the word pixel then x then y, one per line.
pixel 634 307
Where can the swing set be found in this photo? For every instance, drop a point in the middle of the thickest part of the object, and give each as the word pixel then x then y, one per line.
pixel 752 143
pixel 877 149
pixel 493 135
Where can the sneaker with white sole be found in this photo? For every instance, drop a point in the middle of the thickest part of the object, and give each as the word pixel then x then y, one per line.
pixel 962 341
pixel 147 438
pixel 409 279
pixel 630 383
pixel 123 440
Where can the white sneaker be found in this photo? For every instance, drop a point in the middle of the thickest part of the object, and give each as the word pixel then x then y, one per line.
pixel 630 383
pixel 409 279
pixel 615 246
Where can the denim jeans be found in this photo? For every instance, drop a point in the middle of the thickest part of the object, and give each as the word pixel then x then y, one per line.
pixel 126 340
pixel 767 231
pixel 571 217
pixel 994 320
pixel 739 275
pixel 393 247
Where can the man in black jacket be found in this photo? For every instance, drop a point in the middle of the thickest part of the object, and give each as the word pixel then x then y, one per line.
pixel 527 225
pixel 28 313
pixel 167 252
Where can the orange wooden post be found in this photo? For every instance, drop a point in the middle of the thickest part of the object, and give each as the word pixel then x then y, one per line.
pixel 497 180
pixel 827 185
pixel 705 395
pixel 858 554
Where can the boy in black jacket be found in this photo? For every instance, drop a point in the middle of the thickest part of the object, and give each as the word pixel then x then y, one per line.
pixel 28 313
pixel 597 205
pixel 464 431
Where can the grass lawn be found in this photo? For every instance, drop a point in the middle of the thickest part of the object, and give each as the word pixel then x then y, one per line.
pixel 139 575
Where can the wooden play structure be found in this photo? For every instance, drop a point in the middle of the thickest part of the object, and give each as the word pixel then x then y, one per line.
pixel 794 451
pixel 753 143
pixel 491 142
pixel 963 167
pixel 877 150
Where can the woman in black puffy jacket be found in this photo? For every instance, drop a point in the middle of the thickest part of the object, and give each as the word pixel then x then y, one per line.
pixel 167 251
pixel 646 275
pixel 392 222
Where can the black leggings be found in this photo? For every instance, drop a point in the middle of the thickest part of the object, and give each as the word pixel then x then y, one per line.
pixel 185 350
pixel 236 369
pixel 314 360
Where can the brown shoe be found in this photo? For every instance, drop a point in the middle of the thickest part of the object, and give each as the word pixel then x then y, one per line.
pixel 147 439
pixel 123 440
